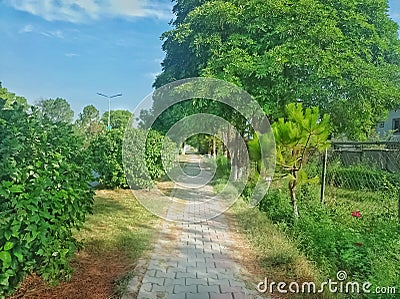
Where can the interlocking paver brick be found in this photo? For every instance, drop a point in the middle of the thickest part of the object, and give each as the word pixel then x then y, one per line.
pixel 185 289
pixel 197 296
pixel 229 289
pixel 186 274
pixel 196 281
pixel 154 280
pixel 220 296
pixel 209 289
pixel 168 289
pixel 169 281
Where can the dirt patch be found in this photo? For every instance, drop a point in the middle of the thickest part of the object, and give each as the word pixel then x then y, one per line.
pixel 94 277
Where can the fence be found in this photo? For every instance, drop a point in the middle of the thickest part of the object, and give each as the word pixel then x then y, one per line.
pixel 363 175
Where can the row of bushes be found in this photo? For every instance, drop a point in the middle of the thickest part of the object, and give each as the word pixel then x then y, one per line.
pixel 44 195
pixel 139 155
pixel 46 168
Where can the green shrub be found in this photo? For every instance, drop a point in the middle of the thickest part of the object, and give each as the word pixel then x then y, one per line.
pixel 223 170
pixel 250 185
pixel 276 204
pixel 141 167
pixel 160 154
pixel 106 157
pixel 44 195
pixel 366 247
pixel 332 245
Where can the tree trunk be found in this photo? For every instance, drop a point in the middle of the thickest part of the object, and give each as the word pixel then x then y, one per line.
pixel 214 147
pixel 183 149
pixel 292 189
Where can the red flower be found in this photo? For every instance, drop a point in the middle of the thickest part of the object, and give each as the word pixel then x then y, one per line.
pixel 356 214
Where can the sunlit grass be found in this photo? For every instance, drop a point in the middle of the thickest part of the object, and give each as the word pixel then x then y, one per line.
pixel 119 223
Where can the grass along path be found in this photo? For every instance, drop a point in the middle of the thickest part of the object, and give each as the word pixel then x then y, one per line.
pixel 268 252
pixel 118 233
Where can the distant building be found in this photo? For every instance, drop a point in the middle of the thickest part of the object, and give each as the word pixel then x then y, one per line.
pixel 390 126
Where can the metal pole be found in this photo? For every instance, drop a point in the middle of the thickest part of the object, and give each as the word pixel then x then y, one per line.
pixel 109 106
pixel 109 113
pixel 323 181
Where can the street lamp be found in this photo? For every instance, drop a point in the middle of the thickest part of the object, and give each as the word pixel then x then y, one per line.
pixel 109 105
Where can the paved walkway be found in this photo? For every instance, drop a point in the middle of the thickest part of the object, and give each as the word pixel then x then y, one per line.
pixel 192 259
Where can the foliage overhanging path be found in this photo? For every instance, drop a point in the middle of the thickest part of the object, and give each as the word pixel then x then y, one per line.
pixel 193 260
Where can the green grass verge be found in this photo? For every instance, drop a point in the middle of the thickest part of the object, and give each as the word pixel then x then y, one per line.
pixel 275 252
pixel 118 223
pixel 121 225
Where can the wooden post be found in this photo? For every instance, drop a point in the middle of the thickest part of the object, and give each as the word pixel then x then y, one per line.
pixel 323 179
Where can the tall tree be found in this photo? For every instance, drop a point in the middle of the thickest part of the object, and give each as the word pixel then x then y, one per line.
pixel 57 110
pixel 118 118
pixel 89 120
pixel 339 55
pixel 11 98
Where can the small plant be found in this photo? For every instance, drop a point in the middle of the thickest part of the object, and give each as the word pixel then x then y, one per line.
pixel 297 137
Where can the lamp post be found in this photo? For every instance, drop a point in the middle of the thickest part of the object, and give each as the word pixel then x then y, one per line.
pixel 109 105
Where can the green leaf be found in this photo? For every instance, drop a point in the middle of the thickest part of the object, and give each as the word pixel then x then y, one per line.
pixel 16 188
pixel 8 246
pixel 4 280
pixel 19 255
pixel 6 258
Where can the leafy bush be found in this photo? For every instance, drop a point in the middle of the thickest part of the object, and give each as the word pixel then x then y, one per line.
pixel 250 185
pixel 160 154
pixel 222 171
pixel 276 204
pixel 141 167
pixel 106 157
pixel 44 195
pixel 329 243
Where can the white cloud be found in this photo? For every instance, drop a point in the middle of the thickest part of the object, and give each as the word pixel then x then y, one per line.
pixel 56 33
pixel 80 11
pixel 71 54
pixel 26 29
pixel 49 33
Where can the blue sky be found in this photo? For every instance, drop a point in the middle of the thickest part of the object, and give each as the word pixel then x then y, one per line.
pixel 76 48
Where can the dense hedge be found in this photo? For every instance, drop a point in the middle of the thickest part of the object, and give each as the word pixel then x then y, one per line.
pixel 106 156
pixel 143 166
pixel 44 195
pixel 144 150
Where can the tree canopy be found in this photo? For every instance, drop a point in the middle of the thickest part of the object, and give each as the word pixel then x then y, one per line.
pixel 11 98
pixel 57 110
pixel 89 120
pixel 339 55
pixel 118 118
